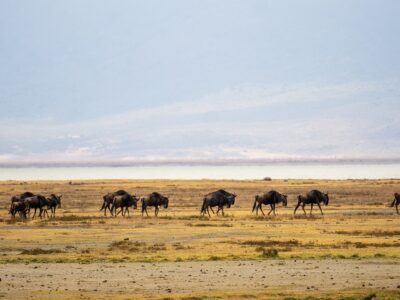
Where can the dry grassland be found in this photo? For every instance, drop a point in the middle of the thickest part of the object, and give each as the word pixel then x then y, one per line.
pixel 357 225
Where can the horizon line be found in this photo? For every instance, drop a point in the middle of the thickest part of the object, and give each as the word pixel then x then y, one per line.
pixel 193 162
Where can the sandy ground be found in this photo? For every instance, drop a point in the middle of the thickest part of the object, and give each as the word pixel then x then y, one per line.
pixel 19 280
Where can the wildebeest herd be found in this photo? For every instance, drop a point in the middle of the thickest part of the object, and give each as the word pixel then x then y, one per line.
pixel 23 203
pixel 120 202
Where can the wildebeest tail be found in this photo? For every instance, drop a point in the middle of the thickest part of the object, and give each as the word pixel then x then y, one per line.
pixel 203 207
pixel 104 203
pixel 255 204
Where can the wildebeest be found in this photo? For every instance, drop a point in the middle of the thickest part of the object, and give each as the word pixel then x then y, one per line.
pixel 21 197
pixel 18 207
pixel 108 200
pixel 272 198
pixel 124 202
pixel 37 201
pixel 218 198
pixel 154 199
pixel 312 197
pixel 396 202
pixel 53 202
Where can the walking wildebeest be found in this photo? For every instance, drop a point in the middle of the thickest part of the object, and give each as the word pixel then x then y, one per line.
pixel 123 201
pixel 218 198
pixel 272 198
pixel 312 197
pixel 37 201
pixel 53 202
pixel 396 202
pixel 108 199
pixel 154 199
pixel 18 207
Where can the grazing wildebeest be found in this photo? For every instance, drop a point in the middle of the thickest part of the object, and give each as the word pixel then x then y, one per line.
pixel 18 207
pixel 218 198
pixel 37 201
pixel 108 200
pixel 312 197
pixel 396 202
pixel 272 198
pixel 21 197
pixel 154 199
pixel 53 202
pixel 123 202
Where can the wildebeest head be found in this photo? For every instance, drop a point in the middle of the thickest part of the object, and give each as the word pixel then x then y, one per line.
pixel 325 198
pixel 166 202
pixel 57 198
pixel 135 201
pixel 230 200
pixel 233 198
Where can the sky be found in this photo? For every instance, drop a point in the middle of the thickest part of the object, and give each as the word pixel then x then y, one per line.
pixel 207 80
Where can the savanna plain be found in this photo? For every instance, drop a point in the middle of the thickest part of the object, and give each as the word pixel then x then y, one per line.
pixel 351 252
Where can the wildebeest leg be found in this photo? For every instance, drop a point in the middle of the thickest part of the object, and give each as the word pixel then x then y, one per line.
pixel 208 211
pixel 270 210
pixel 109 208
pixel 105 208
pixel 144 209
pixel 212 210
pixel 222 209
pixel 156 210
pixel 397 208
pixel 312 204
pixel 273 205
pixel 260 206
pixel 218 210
pixel 262 209
pixel 320 208
pixel 34 214
pixel 127 211
pixel 297 206
pixel 303 208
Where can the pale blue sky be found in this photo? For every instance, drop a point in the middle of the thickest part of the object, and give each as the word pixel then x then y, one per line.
pixel 83 80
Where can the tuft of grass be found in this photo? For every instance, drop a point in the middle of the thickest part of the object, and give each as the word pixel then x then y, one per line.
pixel 209 225
pixel 213 257
pixel 370 297
pixel 378 233
pixel 271 243
pixel 39 251
pixel 126 245
pixel 269 253
pixel 378 255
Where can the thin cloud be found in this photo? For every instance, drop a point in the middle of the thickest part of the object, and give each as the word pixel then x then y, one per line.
pixel 222 121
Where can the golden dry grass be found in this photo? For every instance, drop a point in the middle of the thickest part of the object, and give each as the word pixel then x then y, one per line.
pixel 358 223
